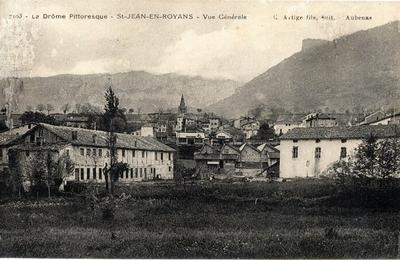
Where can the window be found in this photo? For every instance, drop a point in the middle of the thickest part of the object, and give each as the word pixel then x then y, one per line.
pixel 88 152
pixel 27 153
pixel 318 140
pixel 131 173
pixel 169 169
pixel 127 174
pixel 94 152
pixel 162 156
pixel 343 140
pixel 100 173
pixel 136 172
pixel 295 152
pixel 140 172
pixel 1 154
pixel 123 152
pixel 88 173
pixel 67 151
pixel 317 152
pixel 82 174
pixel 82 151
pixel 343 152
pixel 100 152
pixel 142 154
pixel 94 174
pixel 77 174
pixel 169 156
pixel 133 153
pixel 156 156
pixel 295 140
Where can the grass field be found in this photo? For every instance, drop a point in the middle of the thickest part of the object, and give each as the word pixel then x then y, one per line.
pixel 219 220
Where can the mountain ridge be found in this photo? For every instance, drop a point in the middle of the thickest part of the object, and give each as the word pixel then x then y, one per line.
pixel 351 71
pixel 139 90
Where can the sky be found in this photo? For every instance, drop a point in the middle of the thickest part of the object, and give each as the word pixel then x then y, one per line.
pixel 227 49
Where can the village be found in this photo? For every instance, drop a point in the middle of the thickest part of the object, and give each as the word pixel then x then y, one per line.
pixel 216 129
pixel 166 145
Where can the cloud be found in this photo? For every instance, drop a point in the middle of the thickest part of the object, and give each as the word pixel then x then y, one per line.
pixel 193 53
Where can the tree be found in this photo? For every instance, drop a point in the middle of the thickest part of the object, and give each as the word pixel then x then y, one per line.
pixel 265 132
pixel 40 107
pixel 36 117
pixel 113 121
pixel 49 108
pixel 65 108
pixel 374 165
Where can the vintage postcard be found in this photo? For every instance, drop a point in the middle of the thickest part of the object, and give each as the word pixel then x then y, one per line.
pixel 199 129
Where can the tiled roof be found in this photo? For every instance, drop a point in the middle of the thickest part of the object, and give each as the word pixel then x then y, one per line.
pixel 262 146
pixel 351 132
pixel 10 135
pixel 85 137
pixel 290 118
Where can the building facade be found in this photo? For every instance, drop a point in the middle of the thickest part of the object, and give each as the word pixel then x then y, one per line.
pixel 147 158
pixel 309 152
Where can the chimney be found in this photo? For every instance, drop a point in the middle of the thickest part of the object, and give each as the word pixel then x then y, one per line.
pixel 74 135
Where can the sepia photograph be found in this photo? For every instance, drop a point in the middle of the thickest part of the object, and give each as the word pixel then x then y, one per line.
pixel 199 129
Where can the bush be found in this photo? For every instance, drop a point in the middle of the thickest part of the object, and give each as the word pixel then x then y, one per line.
pixel 370 177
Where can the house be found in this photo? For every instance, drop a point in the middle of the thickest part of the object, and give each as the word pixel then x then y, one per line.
pixel 319 120
pixel 211 160
pixel 228 135
pixel 6 141
pixel 379 119
pixel 308 152
pixel 250 157
pixel 190 138
pixel 228 159
pixel 88 149
pixel 288 121
pixel 146 130
pixel 79 121
pixel 214 123
pixel 374 117
pixel 269 154
pixel 250 128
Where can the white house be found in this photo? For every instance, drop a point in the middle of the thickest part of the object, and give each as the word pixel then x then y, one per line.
pixel 145 131
pixel 288 121
pixel 88 149
pixel 382 119
pixel 308 152
pixel 190 138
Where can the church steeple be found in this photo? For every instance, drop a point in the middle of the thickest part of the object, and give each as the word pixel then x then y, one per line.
pixel 182 109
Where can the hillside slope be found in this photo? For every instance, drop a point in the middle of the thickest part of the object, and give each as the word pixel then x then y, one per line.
pixel 357 70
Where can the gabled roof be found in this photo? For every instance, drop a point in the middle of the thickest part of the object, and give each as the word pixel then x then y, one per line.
pixel 264 145
pixel 10 135
pixel 319 116
pixel 230 146
pixel 249 145
pixel 85 138
pixel 290 118
pixel 351 132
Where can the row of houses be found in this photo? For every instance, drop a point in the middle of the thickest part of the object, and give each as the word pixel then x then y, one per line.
pixel 89 151
pixel 246 159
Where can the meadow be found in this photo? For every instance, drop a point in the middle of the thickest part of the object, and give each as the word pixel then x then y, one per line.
pixel 303 219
